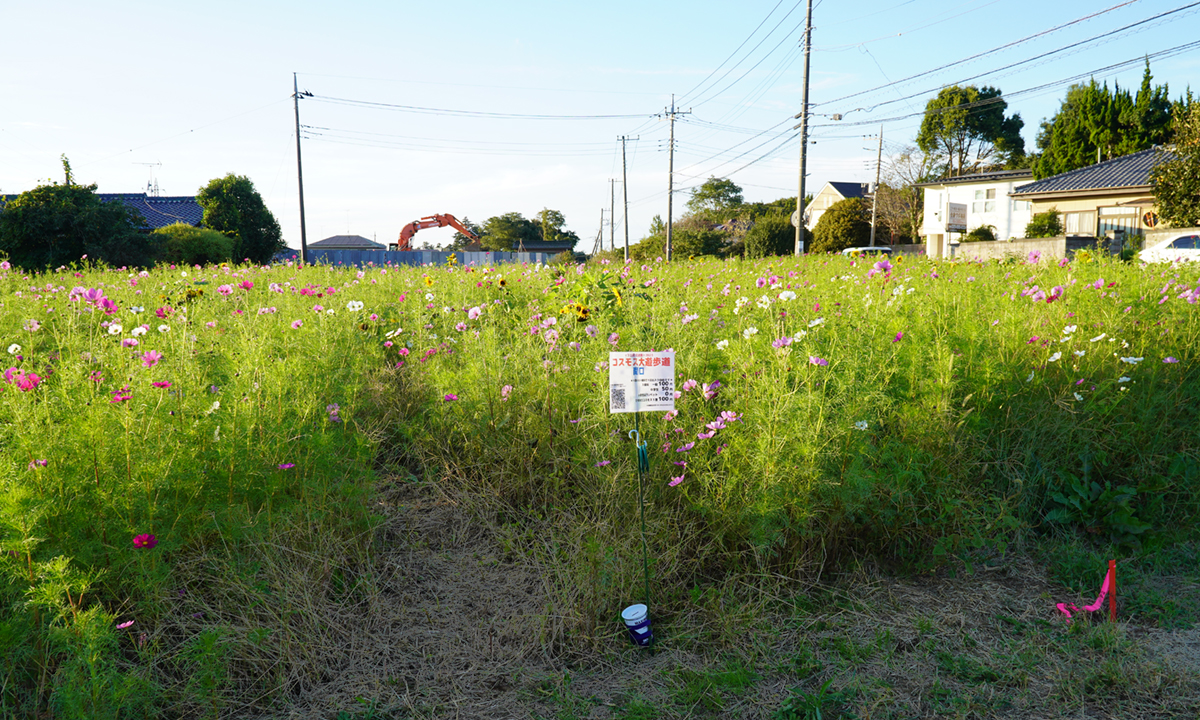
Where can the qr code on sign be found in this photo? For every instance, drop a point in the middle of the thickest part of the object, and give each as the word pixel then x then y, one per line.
pixel 617 397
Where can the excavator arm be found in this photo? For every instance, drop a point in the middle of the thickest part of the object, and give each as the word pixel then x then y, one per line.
pixel 432 221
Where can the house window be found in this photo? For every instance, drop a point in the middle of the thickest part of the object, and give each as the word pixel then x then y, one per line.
pixel 1021 205
pixel 985 201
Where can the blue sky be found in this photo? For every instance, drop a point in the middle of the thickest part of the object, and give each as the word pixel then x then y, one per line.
pixel 184 93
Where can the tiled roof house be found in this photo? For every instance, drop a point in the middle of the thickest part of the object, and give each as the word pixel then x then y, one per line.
pixel 160 211
pixel 346 242
pixel 1114 195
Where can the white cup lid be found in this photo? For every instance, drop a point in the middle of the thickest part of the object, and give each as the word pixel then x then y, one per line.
pixel 634 613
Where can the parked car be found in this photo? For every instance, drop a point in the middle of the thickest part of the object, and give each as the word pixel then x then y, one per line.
pixel 867 250
pixel 1180 247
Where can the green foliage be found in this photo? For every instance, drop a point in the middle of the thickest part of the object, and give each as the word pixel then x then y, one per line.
pixel 461 241
pixel 56 225
pixel 1094 124
pixel 550 223
pixel 233 206
pixel 983 233
pixel 715 200
pixel 183 244
pixel 1044 224
pixel 773 235
pixel 847 223
pixel 1177 181
pixel 508 232
pixel 820 705
pixel 966 127
pixel 685 244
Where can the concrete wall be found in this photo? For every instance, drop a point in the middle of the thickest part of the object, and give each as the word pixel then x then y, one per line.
pixel 1153 237
pixel 360 258
pixel 1053 248
pixel 918 249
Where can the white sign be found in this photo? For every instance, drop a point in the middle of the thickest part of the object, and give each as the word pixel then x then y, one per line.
pixel 641 381
pixel 957 221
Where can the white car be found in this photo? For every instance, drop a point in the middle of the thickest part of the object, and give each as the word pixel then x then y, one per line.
pixel 1181 247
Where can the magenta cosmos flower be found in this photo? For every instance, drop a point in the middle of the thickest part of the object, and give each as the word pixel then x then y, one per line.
pixel 150 358
pixel 145 540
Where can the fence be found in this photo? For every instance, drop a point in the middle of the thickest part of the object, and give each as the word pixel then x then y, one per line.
pixel 377 258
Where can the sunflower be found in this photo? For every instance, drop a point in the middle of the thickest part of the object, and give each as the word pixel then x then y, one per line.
pixel 503 282
pixel 582 312
pixel 428 281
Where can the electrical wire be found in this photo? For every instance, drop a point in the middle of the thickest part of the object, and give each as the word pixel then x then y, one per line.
pixel 467 113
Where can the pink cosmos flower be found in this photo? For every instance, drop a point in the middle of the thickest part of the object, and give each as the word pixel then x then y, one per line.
pixel 286 466
pixel 297 324
pixel 120 396
pixel 145 540
pixel 602 463
pixel 675 481
pixel 781 342
pixel 1170 360
pixel 33 464
pixel 122 626
pixel 710 390
pixel 670 415
pixel 505 392
pixel 704 436
pixel 613 339
pixel 161 384
pixel 450 397
pixel 899 337
pixel 225 289
pixel 685 448
pixel 718 424
pixel 460 327
pixel 690 384
pixel 813 359
pixel 245 284
pixel 591 330
pixel 402 351
pixel 129 342
pixel 27 381
pixel 474 313
pixel 151 358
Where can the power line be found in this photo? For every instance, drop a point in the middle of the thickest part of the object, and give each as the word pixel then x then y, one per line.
pixel 468 113
pixel 735 51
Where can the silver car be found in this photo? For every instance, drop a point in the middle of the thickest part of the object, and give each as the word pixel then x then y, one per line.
pixel 1181 247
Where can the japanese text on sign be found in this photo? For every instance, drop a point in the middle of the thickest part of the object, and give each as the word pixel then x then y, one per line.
pixel 641 381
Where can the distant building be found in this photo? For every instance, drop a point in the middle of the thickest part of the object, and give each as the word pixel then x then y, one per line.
pixel 833 192
pixel 160 211
pixel 982 199
pixel 346 242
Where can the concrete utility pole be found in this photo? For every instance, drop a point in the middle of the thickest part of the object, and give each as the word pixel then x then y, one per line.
pixel 625 195
pixel 612 213
pixel 803 115
pixel 875 194
pixel 299 169
pixel 671 169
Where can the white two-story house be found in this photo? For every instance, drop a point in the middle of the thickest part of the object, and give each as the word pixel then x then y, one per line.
pixel 957 205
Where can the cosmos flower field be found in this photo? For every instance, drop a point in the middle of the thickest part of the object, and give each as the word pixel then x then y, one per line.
pixel 827 408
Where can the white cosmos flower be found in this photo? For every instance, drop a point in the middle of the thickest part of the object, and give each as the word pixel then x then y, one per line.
pixel 1079 353
pixel 814 323
pixel 1078 397
pixel 723 344
pixel 1055 357
pixel 860 425
pixel 787 295
pixel 1099 337
pixel 1068 330
pixel 138 331
pixel 764 302
pixel 114 329
pixel 1030 378
pixel 1132 360
pixel 14 349
pixel 135 309
pixel 749 332
pixel 428 296
pixel 164 328
pixel 354 306
pixel 1123 379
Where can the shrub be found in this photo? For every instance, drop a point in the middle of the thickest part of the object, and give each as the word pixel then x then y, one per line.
pixel 847 223
pixel 54 225
pixel 773 234
pixel 983 233
pixel 186 245
pixel 1044 224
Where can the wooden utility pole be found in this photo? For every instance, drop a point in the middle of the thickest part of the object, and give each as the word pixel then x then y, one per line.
pixel 671 169
pixel 803 115
pixel 875 194
pixel 300 169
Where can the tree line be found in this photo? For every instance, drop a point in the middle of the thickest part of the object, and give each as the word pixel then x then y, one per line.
pixel 56 225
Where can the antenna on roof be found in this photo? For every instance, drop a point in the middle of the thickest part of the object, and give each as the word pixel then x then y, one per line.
pixel 152 184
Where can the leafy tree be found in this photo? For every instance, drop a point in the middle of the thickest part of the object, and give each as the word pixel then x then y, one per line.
pixel 1176 181
pixel 55 225
pixel 186 245
pixel 1095 124
pixel 772 235
pixel 1044 224
pixel 657 226
pixel 550 224
pixel 715 200
pixel 685 243
pixel 506 232
pixel 901 204
pixel 232 206
pixel 967 129
pixel 847 223
pixel 461 241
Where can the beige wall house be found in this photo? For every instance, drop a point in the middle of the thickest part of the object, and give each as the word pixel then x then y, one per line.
pixel 1114 196
pixel 832 192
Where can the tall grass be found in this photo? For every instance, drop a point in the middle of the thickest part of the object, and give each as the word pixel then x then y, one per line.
pixel 904 413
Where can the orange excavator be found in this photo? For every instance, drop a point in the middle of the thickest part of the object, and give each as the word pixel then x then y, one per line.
pixel 405 241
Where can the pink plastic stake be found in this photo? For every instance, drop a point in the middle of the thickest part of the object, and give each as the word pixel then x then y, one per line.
pixel 1107 589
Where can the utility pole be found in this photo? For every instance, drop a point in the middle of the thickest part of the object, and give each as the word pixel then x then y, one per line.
pixel 803 132
pixel 671 168
pixel 875 194
pixel 625 195
pixel 296 95
pixel 612 214
pixel 598 246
